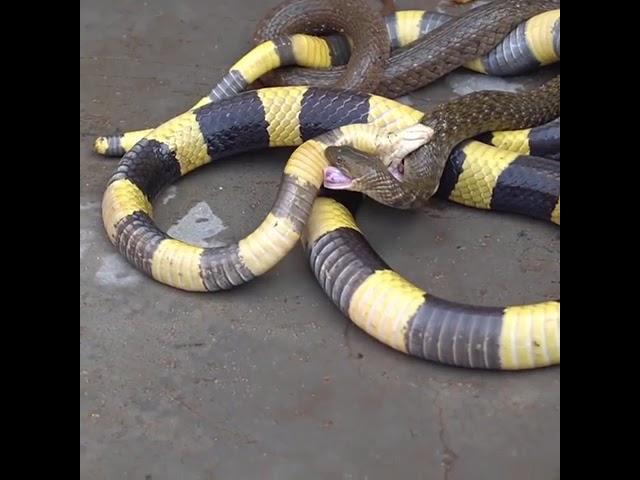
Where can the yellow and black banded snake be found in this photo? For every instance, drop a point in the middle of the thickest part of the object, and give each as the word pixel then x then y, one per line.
pixel 377 299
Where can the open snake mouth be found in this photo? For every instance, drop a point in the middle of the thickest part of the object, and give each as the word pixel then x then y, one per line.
pixel 336 179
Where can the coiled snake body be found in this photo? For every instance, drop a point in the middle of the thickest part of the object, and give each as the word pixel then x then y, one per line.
pixel 450 43
pixel 374 297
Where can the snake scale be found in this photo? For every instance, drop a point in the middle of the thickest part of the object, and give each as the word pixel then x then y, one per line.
pixel 314 118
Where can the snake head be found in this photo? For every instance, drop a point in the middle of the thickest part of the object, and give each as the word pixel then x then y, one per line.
pixel 353 169
pixel 350 168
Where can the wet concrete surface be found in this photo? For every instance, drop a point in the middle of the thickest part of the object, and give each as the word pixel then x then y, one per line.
pixel 271 380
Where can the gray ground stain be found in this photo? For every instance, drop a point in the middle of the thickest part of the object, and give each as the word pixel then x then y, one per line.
pixel 86 237
pixel 115 271
pixel 199 227
pixel 168 195
pixel 466 82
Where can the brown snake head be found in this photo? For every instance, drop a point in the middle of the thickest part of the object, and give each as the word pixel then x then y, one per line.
pixel 357 171
pixel 376 173
pixel 351 169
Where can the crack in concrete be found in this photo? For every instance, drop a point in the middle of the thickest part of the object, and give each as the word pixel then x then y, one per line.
pixel 346 339
pixel 448 455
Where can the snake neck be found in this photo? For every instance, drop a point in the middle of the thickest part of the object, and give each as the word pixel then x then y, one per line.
pixel 471 115
pixel 480 112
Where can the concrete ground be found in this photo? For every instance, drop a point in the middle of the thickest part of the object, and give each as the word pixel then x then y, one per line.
pixel 270 380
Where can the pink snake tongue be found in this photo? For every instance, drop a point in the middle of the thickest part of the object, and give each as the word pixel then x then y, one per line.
pixel 335 179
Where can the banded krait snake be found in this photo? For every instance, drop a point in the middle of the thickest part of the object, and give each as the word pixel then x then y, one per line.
pixel 375 298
